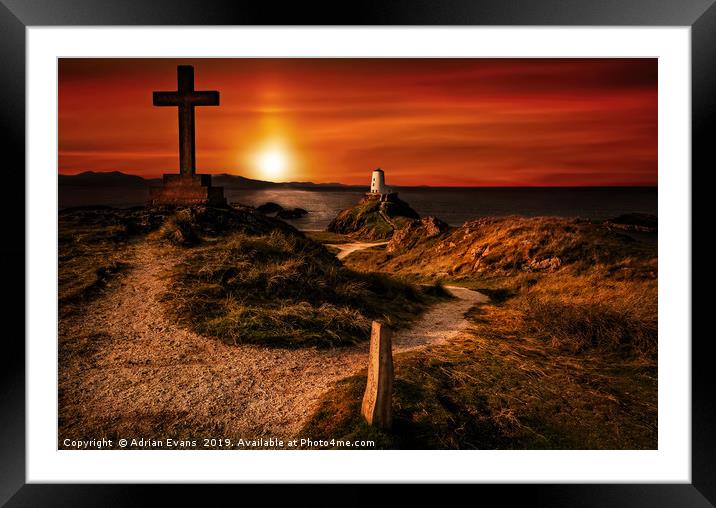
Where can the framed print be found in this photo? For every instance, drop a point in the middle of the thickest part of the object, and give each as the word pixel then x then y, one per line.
pixel 432 245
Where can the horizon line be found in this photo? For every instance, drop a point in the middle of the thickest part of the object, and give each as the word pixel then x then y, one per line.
pixel 60 173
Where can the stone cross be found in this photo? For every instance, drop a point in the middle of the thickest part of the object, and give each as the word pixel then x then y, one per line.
pixel 377 399
pixel 186 98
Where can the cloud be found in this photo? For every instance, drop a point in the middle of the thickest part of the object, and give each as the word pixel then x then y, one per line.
pixel 474 121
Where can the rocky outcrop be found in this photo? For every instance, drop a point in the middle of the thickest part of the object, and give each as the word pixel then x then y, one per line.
pixel 274 209
pixel 296 213
pixel 542 265
pixel 415 232
pixel 641 222
pixel 270 207
pixel 373 219
pixel 508 245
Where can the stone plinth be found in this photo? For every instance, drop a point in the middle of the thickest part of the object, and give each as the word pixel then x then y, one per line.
pixel 377 400
pixel 178 189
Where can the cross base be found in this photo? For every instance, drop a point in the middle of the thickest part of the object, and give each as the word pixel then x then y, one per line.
pixel 179 189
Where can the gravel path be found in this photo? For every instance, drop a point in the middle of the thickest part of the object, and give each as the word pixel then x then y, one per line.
pixel 144 372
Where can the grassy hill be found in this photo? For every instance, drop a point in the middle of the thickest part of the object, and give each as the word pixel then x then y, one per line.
pixel 371 219
pixel 242 277
pixel 565 273
pixel 511 245
pixel 563 356
pixel 267 283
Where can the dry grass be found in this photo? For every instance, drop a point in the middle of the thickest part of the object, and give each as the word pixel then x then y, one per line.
pixel 245 278
pixel 578 284
pixel 501 387
pixel 327 237
pixel 284 289
pixel 365 220
pixel 92 246
pixel 129 369
pixel 593 311
pixel 564 355
pixel 514 245
pixel 188 226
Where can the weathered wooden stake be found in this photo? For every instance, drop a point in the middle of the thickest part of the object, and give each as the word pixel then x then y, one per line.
pixel 376 407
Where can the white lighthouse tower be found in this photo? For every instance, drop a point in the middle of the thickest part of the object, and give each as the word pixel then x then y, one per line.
pixel 377 182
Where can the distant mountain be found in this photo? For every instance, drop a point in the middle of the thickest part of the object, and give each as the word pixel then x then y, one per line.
pixel 106 179
pixel 240 182
pixel 119 179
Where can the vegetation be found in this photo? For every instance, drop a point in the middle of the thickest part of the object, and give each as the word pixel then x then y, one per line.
pixel 277 287
pixel 372 219
pixel 499 389
pixel 187 226
pixel 92 244
pixel 513 245
pixel 583 283
pixel 593 312
pixel 563 355
pixel 264 282
pixel 327 237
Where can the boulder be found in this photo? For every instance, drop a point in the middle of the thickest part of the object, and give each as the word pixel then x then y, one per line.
pixel 270 207
pixel 296 213
pixel 548 265
pixel 416 232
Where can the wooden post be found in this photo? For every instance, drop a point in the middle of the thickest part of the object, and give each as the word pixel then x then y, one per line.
pixel 376 407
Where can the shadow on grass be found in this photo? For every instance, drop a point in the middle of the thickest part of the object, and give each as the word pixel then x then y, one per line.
pixel 421 420
pixel 499 389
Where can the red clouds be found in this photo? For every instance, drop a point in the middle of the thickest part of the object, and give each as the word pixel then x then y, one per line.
pixel 425 121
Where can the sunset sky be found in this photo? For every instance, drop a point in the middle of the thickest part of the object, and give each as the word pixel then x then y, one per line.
pixel 451 122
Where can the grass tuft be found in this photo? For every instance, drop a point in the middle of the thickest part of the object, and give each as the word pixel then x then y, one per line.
pixel 181 229
pixel 593 312
pixel 283 289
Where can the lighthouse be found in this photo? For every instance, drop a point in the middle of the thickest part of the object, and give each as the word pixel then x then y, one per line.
pixel 377 182
pixel 378 190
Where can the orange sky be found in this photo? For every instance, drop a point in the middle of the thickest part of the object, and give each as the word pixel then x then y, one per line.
pixel 453 122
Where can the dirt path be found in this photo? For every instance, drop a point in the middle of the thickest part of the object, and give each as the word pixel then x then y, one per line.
pixel 127 370
pixel 345 249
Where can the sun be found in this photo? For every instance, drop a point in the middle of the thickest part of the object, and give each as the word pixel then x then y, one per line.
pixel 272 162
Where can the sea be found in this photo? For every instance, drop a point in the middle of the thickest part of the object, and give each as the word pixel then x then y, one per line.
pixel 452 205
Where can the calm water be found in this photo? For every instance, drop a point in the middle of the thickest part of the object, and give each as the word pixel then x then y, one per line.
pixel 454 206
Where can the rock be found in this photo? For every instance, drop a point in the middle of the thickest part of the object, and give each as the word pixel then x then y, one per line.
pixel 415 232
pixel 549 264
pixel 433 226
pixel 296 213
pixel 373 219
pixel 635 222
pixel 269 207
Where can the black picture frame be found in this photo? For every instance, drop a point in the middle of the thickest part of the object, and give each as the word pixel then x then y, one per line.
pixel 16 15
